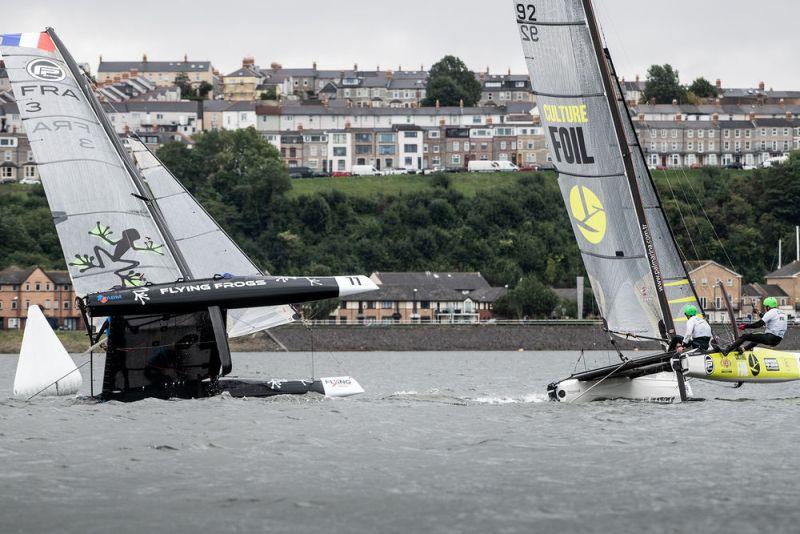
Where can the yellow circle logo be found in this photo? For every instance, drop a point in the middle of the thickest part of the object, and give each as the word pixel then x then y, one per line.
pixel 589 213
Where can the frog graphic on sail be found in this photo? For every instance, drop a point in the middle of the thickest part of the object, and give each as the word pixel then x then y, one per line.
pixel 637 274
pixel 117 255
pixel 170 284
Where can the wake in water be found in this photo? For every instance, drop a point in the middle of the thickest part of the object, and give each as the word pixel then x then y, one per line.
pixel 434 395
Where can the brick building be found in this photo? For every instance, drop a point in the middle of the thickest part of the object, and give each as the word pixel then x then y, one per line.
pixel 51 290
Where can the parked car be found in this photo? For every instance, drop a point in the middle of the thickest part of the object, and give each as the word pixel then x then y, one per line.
pixel 529 168
pixel 7 181
pixel 28 181
pixel 696 166
pixel 338 174
pixel 392 172
pixel 735 165
pixel 300 172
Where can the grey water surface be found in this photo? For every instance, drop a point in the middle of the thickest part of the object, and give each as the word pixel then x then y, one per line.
pixel 440 442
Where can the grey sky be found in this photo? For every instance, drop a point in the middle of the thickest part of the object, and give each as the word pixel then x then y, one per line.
pixel 739 41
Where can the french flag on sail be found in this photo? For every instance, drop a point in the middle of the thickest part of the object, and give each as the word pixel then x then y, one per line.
pixel 42 41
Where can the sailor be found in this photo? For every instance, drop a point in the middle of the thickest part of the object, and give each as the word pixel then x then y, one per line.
pixel 697 334
pixel 774 323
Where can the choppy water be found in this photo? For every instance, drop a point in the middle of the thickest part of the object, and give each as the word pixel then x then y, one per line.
pixel 441 442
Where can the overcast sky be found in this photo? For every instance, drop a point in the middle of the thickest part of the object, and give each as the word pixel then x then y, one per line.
pixel 741 42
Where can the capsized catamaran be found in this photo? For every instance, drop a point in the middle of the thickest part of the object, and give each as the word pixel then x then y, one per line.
pixel 151 265
pixel 637 275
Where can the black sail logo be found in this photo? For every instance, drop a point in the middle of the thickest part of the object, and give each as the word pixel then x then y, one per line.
pixel 46 70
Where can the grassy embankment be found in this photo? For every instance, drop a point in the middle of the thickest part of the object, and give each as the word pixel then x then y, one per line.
pixel 469 184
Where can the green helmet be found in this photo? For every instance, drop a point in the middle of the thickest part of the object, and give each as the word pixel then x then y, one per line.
pixel 689 311
pixel 771 302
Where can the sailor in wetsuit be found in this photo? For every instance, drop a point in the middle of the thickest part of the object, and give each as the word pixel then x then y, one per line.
pixel 774 323
pixel 697 334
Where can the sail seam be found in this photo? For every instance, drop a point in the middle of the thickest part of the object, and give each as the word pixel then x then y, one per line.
pixel 538 23
pixel 196 235
pixel 79 159
pixel 613 175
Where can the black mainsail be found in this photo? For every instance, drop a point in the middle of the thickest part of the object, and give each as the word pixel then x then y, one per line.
pixel 631 258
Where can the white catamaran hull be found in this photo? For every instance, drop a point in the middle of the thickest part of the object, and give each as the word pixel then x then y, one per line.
pixel 658 387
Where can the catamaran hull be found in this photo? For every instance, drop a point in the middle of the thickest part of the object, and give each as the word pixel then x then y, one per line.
pixel 657 387
pixel 340 386
pixel 758 366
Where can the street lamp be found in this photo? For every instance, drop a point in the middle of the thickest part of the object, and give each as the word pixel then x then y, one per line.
pixel 414 314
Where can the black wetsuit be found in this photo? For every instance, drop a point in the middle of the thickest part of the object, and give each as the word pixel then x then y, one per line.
pixel 752 340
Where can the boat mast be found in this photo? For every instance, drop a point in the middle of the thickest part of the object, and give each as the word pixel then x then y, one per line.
pixel 143 192
pixel 630 171
pixel 650 176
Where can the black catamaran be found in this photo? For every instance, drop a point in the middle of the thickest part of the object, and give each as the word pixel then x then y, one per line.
pixel 152 267
pixel 637 275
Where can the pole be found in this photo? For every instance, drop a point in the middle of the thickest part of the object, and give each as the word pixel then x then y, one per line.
pixel 579 291
pixel 780 253
pixel 797 243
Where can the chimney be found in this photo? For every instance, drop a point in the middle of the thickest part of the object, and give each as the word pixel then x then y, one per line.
pixel 389 75
pixel 461 103
pixel 678 117
pixel 422 67
pixel 101 58
pixel 248 62
pixel 717 101
pixel 719 84
pixel 641 117
pixel 399 67
pixel 185 58
pixel 715 117
pixel 144 58
pixel 509 71
pixel 275 66
pixel 760 86
pixel 347 125
pixel 314 65
pixel 789 115
pixel 355 67
pixel 134 73
pixel 674 102
pixel 437 103
pixel 637 78
pixel 299 127
pixel 488 121
pixel 441 123
pixel 482 76
pixel 751 116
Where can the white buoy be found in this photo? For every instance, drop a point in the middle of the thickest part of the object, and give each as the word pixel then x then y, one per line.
pixel 44 363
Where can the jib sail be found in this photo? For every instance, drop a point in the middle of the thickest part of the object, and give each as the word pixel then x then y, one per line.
pixel 107 232
pixel 625 242
pixel 207 249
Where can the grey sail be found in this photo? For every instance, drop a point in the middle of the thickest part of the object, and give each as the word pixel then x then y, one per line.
pixel 207 249
pixel 625 242
pixel 107 232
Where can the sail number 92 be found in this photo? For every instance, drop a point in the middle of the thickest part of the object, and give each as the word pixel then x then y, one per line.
pixel 526 12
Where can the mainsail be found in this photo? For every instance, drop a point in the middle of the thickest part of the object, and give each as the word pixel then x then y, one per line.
pixel 107 231
pixel 631 259
pixel 207 249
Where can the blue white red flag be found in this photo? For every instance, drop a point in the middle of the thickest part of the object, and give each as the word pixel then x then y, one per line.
pixel 42 41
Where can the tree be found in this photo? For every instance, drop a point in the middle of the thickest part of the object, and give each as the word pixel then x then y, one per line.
pixel 450 82
pixel 664 85
pixel 189 92
pixel 531 299
pixel 703 88
pixel 270 94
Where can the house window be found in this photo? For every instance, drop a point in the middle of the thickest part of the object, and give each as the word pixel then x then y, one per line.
pixel 409 149
pixel 386 305
pixel 66 305
pixel 13 304
pixel 730 282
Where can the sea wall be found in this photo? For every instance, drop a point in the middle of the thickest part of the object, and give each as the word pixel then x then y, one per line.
pixel 540 336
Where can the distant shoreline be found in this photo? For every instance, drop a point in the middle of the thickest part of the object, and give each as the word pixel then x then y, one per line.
pixel 416 338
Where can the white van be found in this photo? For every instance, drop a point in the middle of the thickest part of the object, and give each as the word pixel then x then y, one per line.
pixel 490 166
pixel 778 160
pixel 364 170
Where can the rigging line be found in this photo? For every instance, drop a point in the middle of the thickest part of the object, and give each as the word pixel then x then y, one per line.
pixel 600 381
pixel 84 353
pixel 713 228
pixel 692 213
pixel 683 220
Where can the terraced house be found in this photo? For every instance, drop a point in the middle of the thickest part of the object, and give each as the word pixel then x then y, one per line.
pixel 51 290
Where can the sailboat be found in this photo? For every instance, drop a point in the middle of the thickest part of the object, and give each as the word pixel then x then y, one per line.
pixel 638 277
pixel 153 271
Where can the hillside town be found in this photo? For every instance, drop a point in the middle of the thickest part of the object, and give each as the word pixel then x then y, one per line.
pixel 325 122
